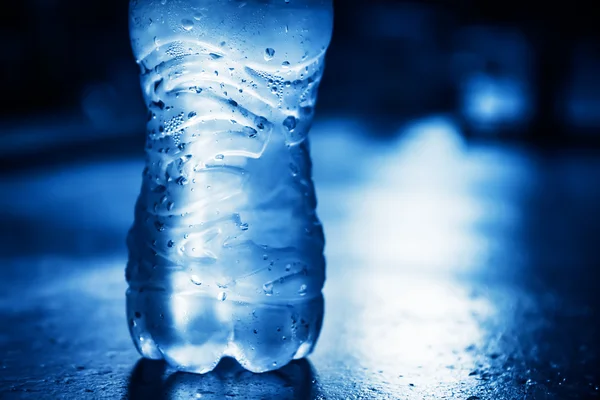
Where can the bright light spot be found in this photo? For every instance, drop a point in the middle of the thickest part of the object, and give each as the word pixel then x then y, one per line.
pixel 426 201
pixel 180 311
pixel 491 101
pixel 438 319
pixel 414 213
pixel 149 347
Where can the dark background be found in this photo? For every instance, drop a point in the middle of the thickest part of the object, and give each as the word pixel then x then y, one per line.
pixel 456 153
pixel 506 69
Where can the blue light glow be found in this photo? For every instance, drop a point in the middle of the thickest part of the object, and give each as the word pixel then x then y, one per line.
pixel 490 102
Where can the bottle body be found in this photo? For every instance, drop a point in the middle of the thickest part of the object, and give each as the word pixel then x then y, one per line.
pixel 226 251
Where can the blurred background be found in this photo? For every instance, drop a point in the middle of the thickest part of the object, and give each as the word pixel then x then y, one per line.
pixel 504 70
pixel 456 155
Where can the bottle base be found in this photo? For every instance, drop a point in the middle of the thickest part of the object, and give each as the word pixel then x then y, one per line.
pixel 194 331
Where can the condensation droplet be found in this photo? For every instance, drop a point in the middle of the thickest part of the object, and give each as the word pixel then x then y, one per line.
pixel 269 53
pixel 268 288
pixel 187 24
pixel 290 123
pixel 302 290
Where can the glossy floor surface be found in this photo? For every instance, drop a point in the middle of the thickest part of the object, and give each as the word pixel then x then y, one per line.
pixel 455 270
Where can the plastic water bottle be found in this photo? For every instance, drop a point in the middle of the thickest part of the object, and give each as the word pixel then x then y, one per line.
pixel 226 251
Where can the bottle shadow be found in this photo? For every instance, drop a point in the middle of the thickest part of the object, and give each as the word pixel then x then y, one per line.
pixel 151 379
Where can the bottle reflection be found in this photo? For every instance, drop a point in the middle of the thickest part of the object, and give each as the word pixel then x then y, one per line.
pixel 150 379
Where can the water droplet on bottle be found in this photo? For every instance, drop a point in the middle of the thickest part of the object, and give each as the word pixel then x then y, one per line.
pixel 182 180
pixel 222 296
pixel 260 123
pixel 255 332
pixel 269 53
pixel 302 290
pixel 244 226
pixel 197 15
pixel 265 256
pixel 274 363
pixel 170 206
pixel 159 226
pixel 195 280
pixel 294 169
pixel 187 24
pixel 285 64
pixel 268 288
pixel 288 267
pixel 219 157
pixel 250 132
pixel 290 123
pixel 192 114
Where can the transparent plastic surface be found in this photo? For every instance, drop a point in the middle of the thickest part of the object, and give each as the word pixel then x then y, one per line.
pixel 226 251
